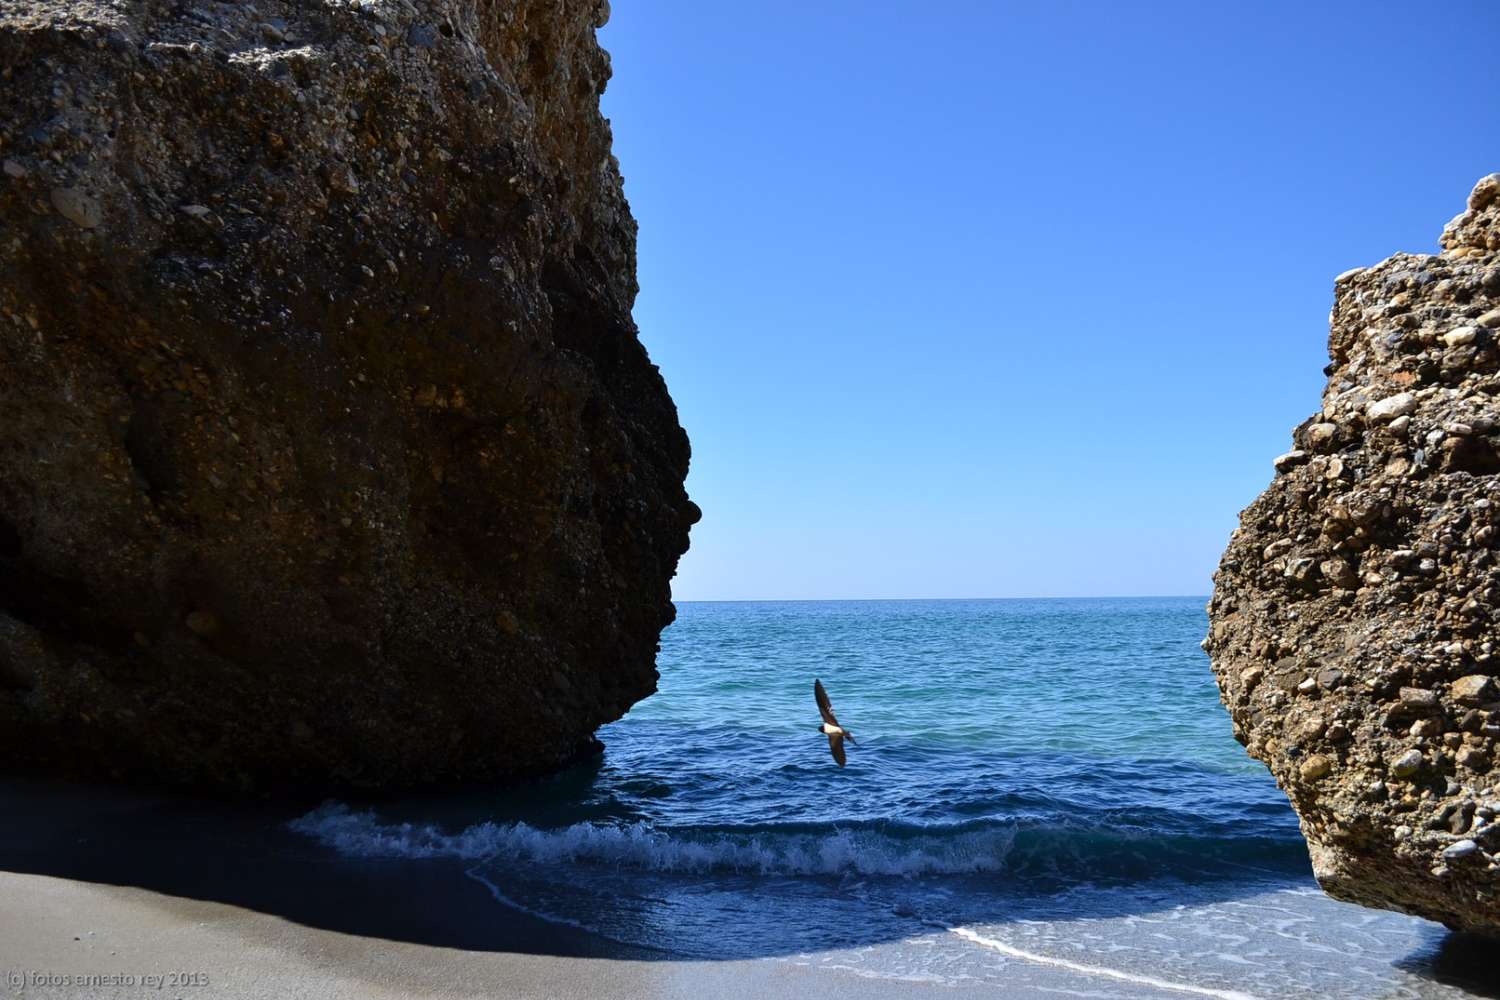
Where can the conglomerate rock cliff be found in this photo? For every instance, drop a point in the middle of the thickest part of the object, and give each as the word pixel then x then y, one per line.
pixel 328 452
pixel 1353 623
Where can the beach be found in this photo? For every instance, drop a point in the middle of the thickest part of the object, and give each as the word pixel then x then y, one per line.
pixel 234 952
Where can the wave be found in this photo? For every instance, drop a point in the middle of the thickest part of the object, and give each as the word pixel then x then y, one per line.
pixel 1021 848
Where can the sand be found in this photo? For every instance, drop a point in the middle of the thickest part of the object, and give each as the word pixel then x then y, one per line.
pixel 66 928
pixel 90 940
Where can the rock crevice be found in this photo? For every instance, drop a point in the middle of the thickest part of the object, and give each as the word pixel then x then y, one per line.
pixel 1352 627
pixel 329 455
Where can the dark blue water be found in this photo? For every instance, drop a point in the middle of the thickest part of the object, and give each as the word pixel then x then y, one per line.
pixel 1036 783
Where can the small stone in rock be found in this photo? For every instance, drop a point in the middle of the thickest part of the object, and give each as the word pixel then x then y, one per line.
pixel 1475 689
pixel 1407 764
pixel 1462 849
pixel 1418 697
pixel 77 207
pixel 1392 407
pixel 203 623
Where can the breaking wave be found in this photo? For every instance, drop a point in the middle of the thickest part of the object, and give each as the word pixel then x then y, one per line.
pixel 887 849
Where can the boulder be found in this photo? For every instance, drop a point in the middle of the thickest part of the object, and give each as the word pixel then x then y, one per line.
pixel 329 456
pixel 1397 501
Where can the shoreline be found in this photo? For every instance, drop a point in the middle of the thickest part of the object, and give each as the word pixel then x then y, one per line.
pixel 120 895
pixel 75 939
pixel 111 883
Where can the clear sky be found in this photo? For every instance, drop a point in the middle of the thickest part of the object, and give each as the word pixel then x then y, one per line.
pixel 1016 299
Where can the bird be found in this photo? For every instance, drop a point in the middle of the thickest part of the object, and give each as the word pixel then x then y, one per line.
pixel 836 733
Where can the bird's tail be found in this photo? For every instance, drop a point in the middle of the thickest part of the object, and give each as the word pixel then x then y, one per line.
pixel 850 737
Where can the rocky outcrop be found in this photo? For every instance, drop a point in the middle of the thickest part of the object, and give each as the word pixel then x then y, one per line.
pixel 1353 623
pixel 328 452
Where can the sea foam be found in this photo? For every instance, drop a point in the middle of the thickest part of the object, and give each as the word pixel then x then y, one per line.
pixel 886 849
pixel 639 846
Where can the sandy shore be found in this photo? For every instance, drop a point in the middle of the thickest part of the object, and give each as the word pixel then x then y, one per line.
pixel 66 938
pixel 66 928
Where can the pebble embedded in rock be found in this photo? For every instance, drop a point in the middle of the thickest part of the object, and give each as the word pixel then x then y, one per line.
pixel 1407 764
pixel 1461 337
pixel 77 207
pixel 1484 192
pixel 1338 572
pixel 1462 849
pixel 342 180
pixel 202 623
pixel 1475 689
pixel 1426 727
pixel 1277 548
pixel 1474 760
pixel 1392 407
pixel 1418 697
pixel 1322 437
pixel 1315 767
pixel 1289 461
pixel 1302 569
pixel 1330 678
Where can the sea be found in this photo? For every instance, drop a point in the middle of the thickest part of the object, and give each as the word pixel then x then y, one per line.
pixel 1043 792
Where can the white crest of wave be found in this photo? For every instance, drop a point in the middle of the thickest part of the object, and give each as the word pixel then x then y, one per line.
pixel 639 846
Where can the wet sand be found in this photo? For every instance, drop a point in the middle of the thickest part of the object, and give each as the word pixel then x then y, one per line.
pixel 208 950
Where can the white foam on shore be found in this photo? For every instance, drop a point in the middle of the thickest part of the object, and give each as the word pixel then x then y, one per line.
pixel 1096 970
pixel 640 847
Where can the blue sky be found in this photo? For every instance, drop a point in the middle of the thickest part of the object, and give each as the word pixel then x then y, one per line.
pixel 1001 299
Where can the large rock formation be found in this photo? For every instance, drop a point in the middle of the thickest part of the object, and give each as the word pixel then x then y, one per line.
pixel 328 453
pixel 1353 623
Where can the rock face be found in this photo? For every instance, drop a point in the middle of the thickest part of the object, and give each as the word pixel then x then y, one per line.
pixel 328 453
pixel 1353 623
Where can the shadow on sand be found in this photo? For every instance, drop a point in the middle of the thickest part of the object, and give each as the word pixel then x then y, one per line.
pixel 1463 961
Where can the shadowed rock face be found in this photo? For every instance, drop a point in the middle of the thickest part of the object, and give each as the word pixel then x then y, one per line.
pixel 1353 623
pixel 328 453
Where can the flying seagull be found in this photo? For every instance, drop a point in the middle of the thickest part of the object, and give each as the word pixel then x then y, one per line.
pixel 836 733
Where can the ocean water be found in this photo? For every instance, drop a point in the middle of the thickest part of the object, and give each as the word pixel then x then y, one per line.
pixel 1039 788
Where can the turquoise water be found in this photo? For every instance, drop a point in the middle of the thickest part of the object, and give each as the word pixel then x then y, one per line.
pixel 1037 784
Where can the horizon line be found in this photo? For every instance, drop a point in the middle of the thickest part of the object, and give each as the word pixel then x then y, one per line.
pixel 854 600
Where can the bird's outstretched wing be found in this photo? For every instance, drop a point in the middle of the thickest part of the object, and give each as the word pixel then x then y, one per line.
pixel 836 744
pixel 825 707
